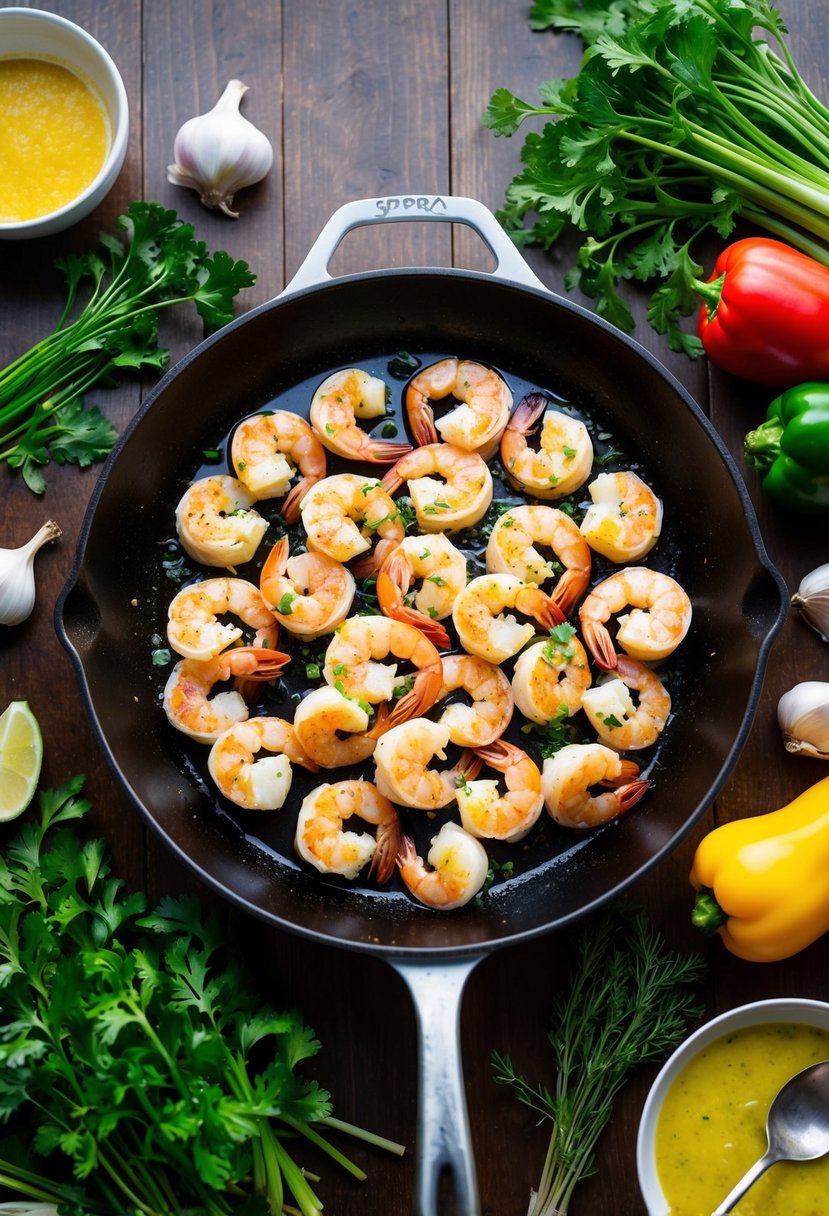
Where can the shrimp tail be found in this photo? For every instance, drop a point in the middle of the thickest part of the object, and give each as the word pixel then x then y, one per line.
pixel 569 589
pixel 470 762
pixel 420 699
pixel 499 754
pixel 527 413
pixel 293 499
pixel 628 795
pixel 378 451
pixel 386 851
pixel 365 566
pixel 599 644
pixel 421 418
pixel 275 562
pixel 406 852
pixel 390 597
pixel 542 607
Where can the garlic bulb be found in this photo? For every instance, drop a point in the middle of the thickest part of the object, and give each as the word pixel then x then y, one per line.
pixel 17 576
pixel 219 152
pixel 803 717
pixel 812 600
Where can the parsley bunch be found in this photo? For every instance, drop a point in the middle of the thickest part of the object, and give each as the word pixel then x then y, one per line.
pixel 151 262
pixel 685 115
pixel 132 1047
pixel 628 1002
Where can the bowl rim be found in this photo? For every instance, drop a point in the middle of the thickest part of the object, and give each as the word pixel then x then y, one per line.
pixel 801 1010
pixel 93 193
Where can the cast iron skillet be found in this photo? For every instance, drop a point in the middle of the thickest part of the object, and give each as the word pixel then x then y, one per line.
pixel 114 602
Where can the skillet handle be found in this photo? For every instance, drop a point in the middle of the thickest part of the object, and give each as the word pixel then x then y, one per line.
pixel 444 1139
pixel 510 265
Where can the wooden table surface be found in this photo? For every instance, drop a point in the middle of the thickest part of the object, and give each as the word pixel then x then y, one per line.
pixel 366 98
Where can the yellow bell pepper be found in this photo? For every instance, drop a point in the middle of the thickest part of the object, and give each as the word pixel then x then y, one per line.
pixel 763 882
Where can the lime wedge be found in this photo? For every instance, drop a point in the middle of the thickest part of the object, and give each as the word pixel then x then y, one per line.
pixel 21 755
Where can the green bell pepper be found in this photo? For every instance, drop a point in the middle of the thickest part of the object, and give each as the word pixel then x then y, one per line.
pixel 792 448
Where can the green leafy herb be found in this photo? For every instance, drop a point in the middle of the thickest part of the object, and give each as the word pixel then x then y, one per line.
pixel 133 1045
pixel 683 118
pixel 402 365
pixel 284 607
pixel 389 430
pixel 629 1002
pixel 151 262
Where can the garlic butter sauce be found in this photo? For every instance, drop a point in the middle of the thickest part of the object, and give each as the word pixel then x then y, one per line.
pixel 712 1126
pixel 54 137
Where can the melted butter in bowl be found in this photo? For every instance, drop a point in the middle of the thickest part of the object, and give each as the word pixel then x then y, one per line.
pixel 54 137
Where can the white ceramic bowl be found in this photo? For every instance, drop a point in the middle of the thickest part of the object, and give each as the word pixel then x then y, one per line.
pixel 759 1013
pixel 33 34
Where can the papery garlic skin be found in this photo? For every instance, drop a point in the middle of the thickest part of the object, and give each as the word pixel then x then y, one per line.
pixel 220 152
pixel 803 717
pixel 812 600
pixel 17 576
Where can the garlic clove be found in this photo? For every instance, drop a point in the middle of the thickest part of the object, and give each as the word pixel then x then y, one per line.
pixel 803 717
pixel 812 600
pixel 17 576
pixel 220 152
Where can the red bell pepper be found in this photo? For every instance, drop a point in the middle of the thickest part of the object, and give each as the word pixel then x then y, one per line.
pixel 765 314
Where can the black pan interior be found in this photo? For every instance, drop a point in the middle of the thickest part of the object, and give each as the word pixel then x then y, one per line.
pixel 115 600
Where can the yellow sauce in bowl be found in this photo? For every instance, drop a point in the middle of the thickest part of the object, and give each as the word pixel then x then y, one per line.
pixel 712 1125
pixel 54 137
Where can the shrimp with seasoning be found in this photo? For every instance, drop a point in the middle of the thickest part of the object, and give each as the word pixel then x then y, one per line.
pixel 310 593
pixel 509 816
pixel 194 629
pixel 459 868
pixel 257 784
pixel 322 841
pixel 216 523
pixel 353 664
pixel 511 549
pixel 402 758
pixel 345 514
pixel 565 454
pixel 551 677
pixel 267 450
pixel 624 520
pixel 480 620
pixel 569 775
pixel 450 488
pixel 618 721
pixel 339 401
pixel 187 701
pixel 334 730
pixel 476 423
pixel 441 569
pixel 490 713
pixel 658 620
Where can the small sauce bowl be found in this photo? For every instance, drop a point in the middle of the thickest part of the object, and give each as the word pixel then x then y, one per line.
pixel 782 1010
pixel 28 33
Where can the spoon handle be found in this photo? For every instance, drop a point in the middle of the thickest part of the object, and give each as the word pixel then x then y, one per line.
pixel 748 1179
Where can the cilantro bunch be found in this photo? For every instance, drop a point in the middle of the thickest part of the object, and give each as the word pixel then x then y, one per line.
pixel 685 115
pixel 133 1052
pixel 151 262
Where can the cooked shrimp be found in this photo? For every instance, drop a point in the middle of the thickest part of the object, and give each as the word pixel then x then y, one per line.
pixel 321 840
pixel 490 713
pixel 216 522
pixel 618 721
pixel 477 423
pixel 565 454
pixel 402 758
pixel 658 620
pixel 570 773
pixel 486 812
pixel 335 407
pixel 333 729
pixel 441 569
pixel 257 784
pixel 309 593
pixel 479 618
pixel 450 488
pixel 550 677
pixel 345 513
pixel 625 518
pixel 187 701
pixel 352 664
pixel 511 550
pixel 194 629
pixel 268 449
pixel 459 868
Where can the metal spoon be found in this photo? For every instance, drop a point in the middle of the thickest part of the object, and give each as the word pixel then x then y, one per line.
pixel 797 1128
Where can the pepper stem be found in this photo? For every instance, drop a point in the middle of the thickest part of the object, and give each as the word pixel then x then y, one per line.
pixel 707 914
pixel 762 445
pixel 710 292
